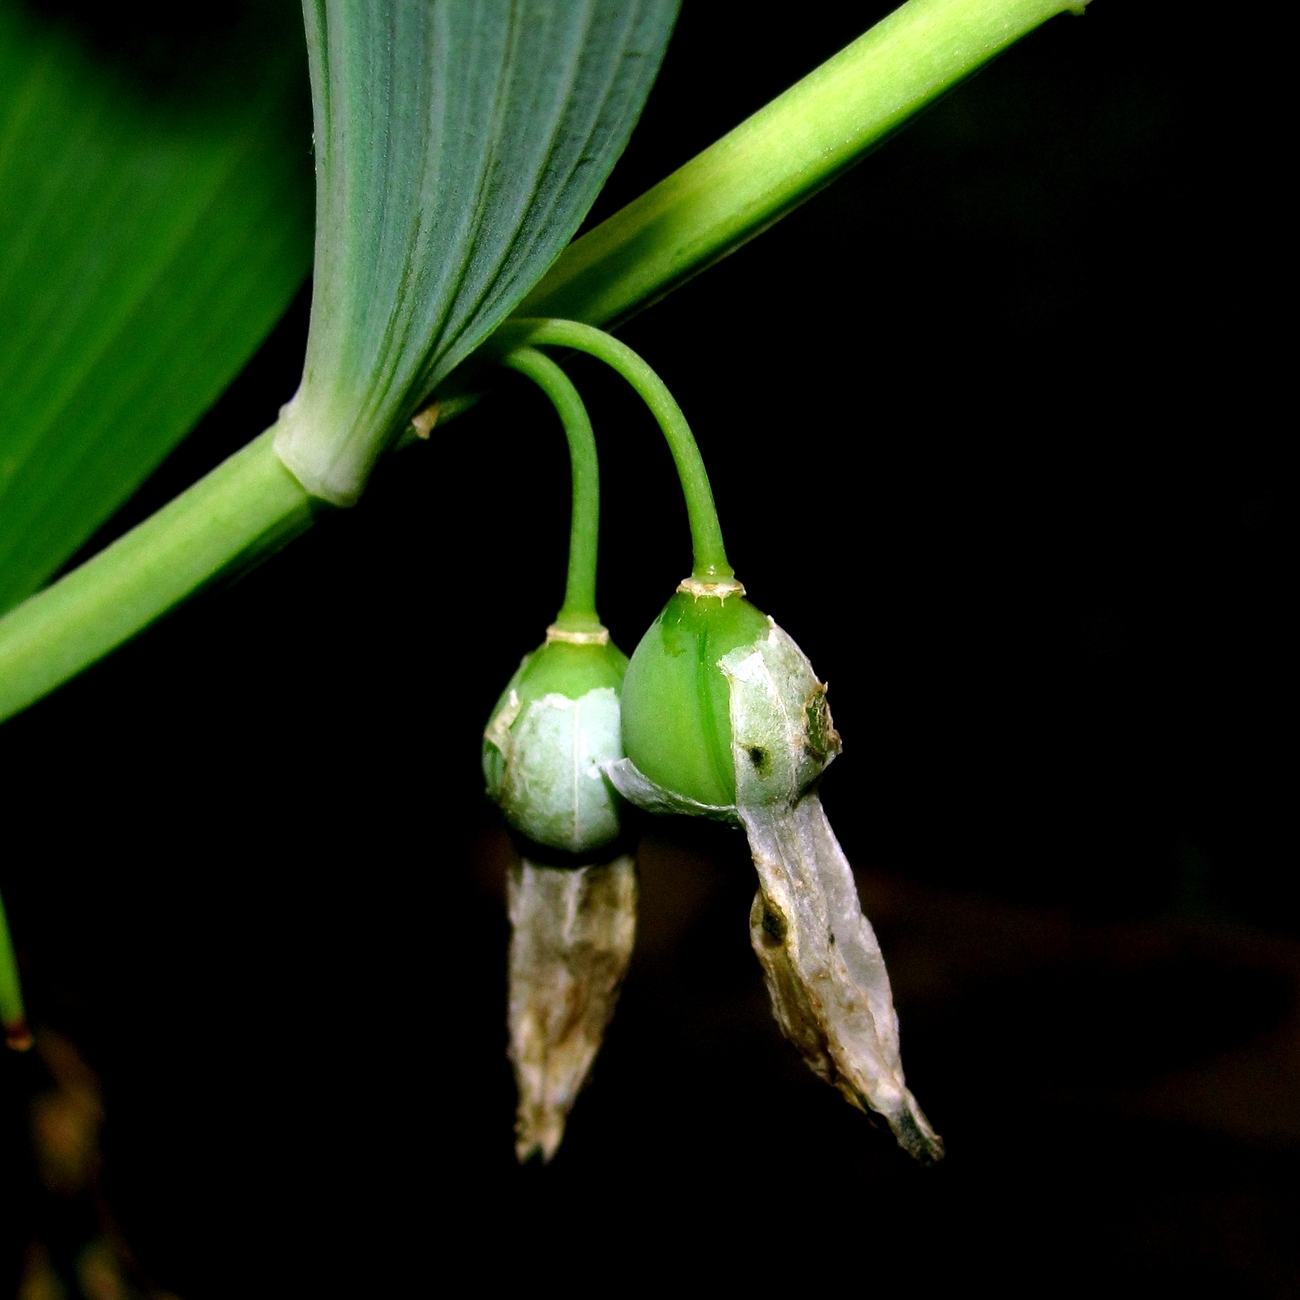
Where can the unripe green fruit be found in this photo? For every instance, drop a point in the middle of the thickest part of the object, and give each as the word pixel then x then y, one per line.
pixel 555 724
pixel 721 710
pixel 677 701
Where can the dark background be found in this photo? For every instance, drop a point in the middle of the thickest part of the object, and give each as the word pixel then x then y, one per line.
pixel 994 426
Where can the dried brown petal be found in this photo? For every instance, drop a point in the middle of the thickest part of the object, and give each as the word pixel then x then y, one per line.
pixel 828 983
pixel 573 930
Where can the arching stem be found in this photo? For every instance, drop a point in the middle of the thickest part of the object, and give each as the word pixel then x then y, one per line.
pixel 579 611
pixel 706 533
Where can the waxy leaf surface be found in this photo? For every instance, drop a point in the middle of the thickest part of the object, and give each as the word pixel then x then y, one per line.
pixel 459 145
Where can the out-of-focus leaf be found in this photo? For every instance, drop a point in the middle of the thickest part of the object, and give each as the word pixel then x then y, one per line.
pixel 155 220
pixel 460 143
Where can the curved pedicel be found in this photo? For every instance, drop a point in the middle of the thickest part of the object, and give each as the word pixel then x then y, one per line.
pixel 723 717
pixel 572 917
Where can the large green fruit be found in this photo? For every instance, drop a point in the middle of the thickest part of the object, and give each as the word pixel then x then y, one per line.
pixel 676 699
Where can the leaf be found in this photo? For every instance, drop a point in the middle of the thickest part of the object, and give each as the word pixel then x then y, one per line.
pixel 155 221
pixel 459 146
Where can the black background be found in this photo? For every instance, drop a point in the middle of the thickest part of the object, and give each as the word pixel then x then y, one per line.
pixel 996 432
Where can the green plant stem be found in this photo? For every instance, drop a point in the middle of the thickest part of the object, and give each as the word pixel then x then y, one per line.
pixel 12 1013
pixel 706 533
pixel 579 611
pixel 725 196
pixel 245 506
pixel 780 156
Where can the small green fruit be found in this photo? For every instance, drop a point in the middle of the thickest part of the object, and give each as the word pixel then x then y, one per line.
pixel 554 726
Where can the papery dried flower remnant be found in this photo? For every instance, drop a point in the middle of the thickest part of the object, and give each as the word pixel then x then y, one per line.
pixel 572 934
pixel 719 670
pixel 824 971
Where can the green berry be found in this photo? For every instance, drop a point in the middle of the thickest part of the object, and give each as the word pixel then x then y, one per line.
pixel 721 710
pixel 676 699
pixel 556 723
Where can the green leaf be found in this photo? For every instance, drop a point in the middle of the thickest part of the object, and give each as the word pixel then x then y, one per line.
pixel 155 222
pixel 459 146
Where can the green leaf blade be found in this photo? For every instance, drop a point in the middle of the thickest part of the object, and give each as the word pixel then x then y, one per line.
pixel 146 248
